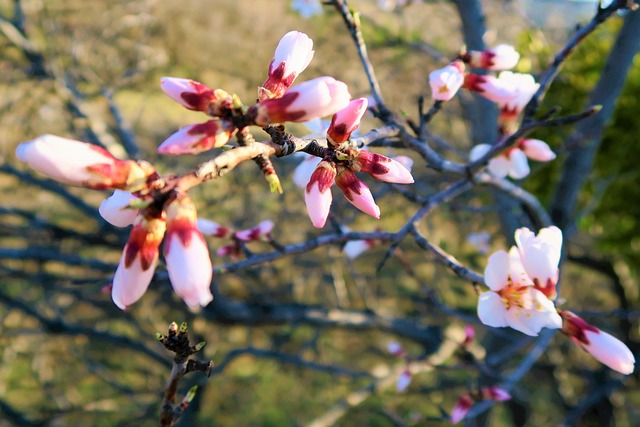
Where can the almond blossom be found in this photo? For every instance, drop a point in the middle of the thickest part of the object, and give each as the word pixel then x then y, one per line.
pixel 187 255
pixel 501 57
pixel 460 409
pixel 357 192
pixel 194 139
pixel 604 347
pixel 317 195
pixel 82 164
pixel 513 161
pixel 138 261
pixel 512 91
pixel 446 81
pixel 211 228
pixel 320 97
pixel 513 300
pixel 260 232
pixel 540 257
pixel 345 122
pixel 196 96
pixel 292 56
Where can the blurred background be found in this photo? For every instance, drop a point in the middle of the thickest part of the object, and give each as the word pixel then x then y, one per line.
pixel 304 337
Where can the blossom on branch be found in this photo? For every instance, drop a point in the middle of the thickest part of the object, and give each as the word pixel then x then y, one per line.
pixel 357 192
pixel 320 97
pixel 197 96
pixel 540 257
pixel 292 56
pixel 345 122
pixel 260 232
pixel 604 347
pixel 513 161
pixel 138 261
pixel 513 300
pixel 211 228
pixel 381 167
pixel 446 81
pixel 194 139
pixel 82 164
pixel 501 57
pixel 317 195
pixel 187 254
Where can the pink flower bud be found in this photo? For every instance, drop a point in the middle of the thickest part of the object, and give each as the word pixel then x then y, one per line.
pixel 116 211
pixel 320 97
pixel 536 149
pixel 357 193
pixel 501 57
pixel 469 335
pixel 604 347
pixel 317 195
pixel 381 167
pixel 292 56
pixel 187 255
pixel 197 138
pixel 460 409
pixel 395 348
pixel 403 381
pixel 446 81
pixel 262 231
pixel 496 394
pixel 82 164
pixel 196 96
pixel 210 228
pixel 232 250
pixel 405 161
pixel 345 121
pixel 138 261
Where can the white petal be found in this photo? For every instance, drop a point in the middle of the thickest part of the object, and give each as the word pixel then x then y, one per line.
pixel 499 166
pixel 610 351
pixel 129 284
pixel 303 171
pixel 479 151
pixel 354 248
pixel 491 310
pixel 114 209
pixel 497 271
pixel 519 165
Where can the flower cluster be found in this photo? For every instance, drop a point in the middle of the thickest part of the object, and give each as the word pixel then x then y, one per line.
pixel 510 91
pixel 158 209
pixel 340 164
pixel 261 232
pixel 278 102
pixel 522 285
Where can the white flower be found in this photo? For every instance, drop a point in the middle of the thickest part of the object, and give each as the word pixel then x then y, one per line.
pixel 115 209
pixel 512 300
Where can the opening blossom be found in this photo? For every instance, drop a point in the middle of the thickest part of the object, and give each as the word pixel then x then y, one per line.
pixel 292 56
pixel 116 209
pixel 514 300
pixel 320 97
pixel 194 139
pixel 513 161
pixel 446 81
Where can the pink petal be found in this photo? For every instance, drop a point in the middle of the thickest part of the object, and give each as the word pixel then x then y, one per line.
pixel 536 149
pixel 610 351
pixel 318 204
pixel 130 283
pixel 189 266
pixel 403 381
pixel 345 121
pixel 461 408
